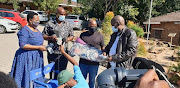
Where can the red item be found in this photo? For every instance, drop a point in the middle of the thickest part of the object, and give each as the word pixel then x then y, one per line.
pixel 14 16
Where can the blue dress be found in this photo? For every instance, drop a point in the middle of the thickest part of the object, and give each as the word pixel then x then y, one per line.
pixel 27 60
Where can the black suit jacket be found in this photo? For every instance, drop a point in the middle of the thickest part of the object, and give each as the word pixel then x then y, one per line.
pixel 126 47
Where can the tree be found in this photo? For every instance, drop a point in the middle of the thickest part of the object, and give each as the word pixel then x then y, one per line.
pixel 136 10
pixel 13 2
pixel 106 29
pixel 47 5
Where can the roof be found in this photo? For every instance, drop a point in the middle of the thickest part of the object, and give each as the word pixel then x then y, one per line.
pixel 169 17
pixel 72 4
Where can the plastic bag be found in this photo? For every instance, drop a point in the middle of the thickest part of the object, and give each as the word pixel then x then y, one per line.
pixel 87 52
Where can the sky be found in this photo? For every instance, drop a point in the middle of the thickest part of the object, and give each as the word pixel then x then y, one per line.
pixel 74 0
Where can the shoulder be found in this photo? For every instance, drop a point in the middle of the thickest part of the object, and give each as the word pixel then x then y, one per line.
pixel 128 30
pixel 99 34
pixel 84 33
pixel 51 23
pixel 23 31
pixel 66 23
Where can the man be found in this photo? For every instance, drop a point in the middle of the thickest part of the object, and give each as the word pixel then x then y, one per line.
pixel 151 80
pixel 56 29
pixel 94 39
pixel 66 78
pixel 123 44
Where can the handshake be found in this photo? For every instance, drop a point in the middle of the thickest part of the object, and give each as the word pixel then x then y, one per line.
pixel 53 47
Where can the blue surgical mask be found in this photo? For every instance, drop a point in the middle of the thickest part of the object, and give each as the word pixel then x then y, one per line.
pixel 114 29
pixel 61 18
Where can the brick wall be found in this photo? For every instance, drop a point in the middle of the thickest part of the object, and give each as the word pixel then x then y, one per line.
pixel 169 27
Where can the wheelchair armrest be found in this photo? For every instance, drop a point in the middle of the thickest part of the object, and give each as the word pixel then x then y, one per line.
pixel 41 83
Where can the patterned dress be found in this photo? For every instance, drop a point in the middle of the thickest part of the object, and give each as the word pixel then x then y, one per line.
pixel 27 60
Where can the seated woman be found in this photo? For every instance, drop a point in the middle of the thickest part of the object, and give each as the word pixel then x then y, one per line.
pixel 29 56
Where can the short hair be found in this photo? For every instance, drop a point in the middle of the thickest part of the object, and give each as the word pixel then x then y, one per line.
pixel 31 15
pixel 6 81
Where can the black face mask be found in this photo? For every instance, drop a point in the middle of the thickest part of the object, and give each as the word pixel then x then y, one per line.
pixel 92 29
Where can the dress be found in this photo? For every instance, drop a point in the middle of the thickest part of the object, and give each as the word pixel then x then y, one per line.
pixel 27 60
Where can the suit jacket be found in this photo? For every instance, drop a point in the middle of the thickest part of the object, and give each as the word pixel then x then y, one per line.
pixel 126 47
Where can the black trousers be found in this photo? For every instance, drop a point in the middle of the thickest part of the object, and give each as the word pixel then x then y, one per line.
pixel 60 63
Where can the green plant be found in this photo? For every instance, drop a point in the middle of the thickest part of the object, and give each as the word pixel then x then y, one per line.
pixel 174 72
pixel 139 30
pixel 106 27
pixel 141 49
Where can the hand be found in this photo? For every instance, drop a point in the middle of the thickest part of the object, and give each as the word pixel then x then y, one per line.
pixel 53 38
pixel 61 48
pixel 104 53
pixel 65 39
pixel 110 58
pixel 61 86
pixel 42 48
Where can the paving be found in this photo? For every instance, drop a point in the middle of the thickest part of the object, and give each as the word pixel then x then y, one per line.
pixel 9 45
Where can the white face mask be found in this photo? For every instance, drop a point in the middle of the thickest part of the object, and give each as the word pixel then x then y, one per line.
pixel 114 29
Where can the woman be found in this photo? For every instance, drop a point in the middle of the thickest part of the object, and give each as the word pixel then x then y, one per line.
pixel 29 56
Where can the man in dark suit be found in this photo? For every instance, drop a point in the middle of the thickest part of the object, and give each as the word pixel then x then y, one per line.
pixel 123 44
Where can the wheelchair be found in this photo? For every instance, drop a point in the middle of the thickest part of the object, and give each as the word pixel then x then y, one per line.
pixel 41 72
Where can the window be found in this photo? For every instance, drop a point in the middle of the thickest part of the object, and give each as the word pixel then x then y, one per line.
pixel 0 13
pixel 26 12
pixel 81 18
pixel 41 13
pixel 157 34
pixel 6 14
pixel 21 16
pixel 71 17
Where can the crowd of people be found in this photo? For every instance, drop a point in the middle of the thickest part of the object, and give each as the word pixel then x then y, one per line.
pixel 121 51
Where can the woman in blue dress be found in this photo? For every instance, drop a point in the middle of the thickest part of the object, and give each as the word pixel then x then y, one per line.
pixel 29 56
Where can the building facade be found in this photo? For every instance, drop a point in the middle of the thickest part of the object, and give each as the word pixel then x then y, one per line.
pixel 162 27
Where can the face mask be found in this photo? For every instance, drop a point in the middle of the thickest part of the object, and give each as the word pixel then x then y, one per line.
pixel 61 18
pixel 92 29
pixel 35 24
pixel 114 29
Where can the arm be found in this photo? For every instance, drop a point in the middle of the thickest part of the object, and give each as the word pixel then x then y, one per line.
pixel 151 80
pixel 53 38
pixel 23 36
pixel 33 47
pixel 102 43
pixel 130 50
pixel 71 59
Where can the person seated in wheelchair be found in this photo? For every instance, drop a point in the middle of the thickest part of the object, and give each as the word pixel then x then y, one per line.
pixel 151 80
pixel 67 79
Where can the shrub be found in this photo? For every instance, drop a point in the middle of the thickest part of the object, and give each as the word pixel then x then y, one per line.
pixel 139 30
pixel 141 49
pixel 94 18
pixel 106 27
pixel 174 72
